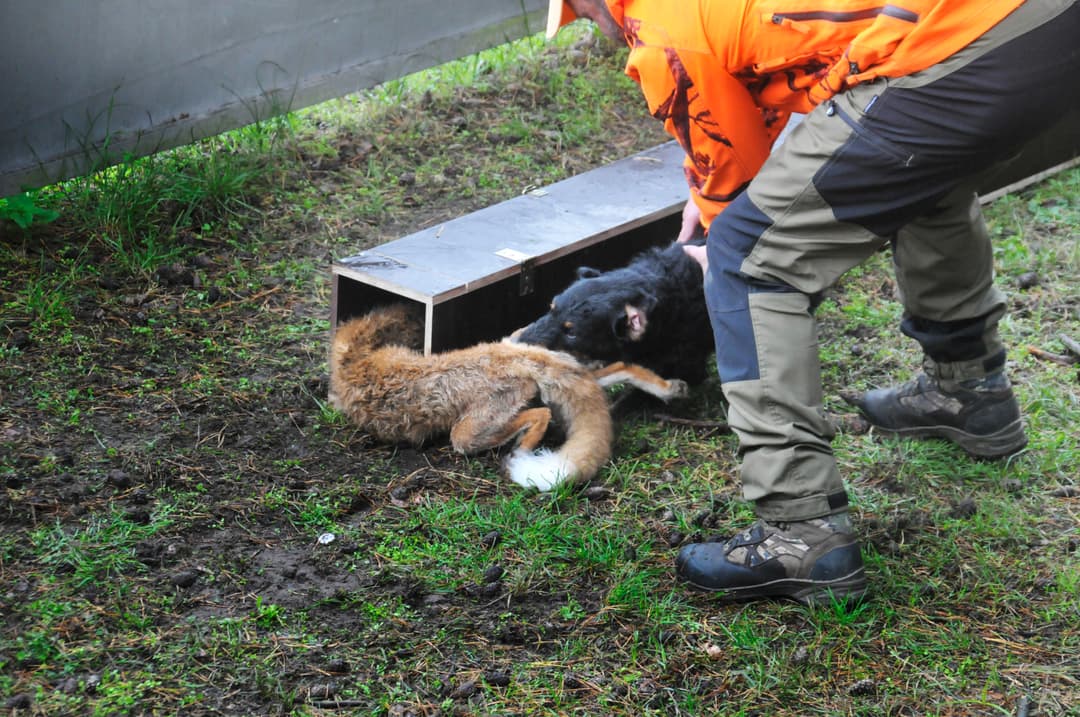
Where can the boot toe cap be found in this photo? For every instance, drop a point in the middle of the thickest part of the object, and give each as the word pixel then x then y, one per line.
pixel 705 566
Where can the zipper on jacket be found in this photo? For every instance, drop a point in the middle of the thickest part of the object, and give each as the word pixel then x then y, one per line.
pixel 795 19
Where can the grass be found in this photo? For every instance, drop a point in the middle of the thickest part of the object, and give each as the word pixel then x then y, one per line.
pixel 168 461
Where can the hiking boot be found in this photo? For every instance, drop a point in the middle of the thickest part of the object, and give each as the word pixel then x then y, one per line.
pixel 812 561
pixel 980 415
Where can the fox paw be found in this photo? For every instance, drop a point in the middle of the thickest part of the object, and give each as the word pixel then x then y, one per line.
pixel 677 388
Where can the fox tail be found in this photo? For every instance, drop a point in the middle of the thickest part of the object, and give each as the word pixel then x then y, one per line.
pixel 581 404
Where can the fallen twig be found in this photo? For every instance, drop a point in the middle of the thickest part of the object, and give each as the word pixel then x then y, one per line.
pixel 693 423
pixel 1055 358
pixel 1071 344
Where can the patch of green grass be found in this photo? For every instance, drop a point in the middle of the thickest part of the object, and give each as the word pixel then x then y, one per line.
pixel 43 299
pixel 99 550
pixel 136 207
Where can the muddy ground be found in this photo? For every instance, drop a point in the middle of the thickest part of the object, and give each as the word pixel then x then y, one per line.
pixel 170 464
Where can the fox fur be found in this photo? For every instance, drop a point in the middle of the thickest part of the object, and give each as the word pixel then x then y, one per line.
pixel 480 396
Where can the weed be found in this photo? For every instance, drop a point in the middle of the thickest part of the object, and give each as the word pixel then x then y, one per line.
pixel 24 210
pixel 268 615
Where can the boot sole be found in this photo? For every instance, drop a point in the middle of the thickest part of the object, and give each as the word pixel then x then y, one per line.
pixel 849 589
pixel 999 444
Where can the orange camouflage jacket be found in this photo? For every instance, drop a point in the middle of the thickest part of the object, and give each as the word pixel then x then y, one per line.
pixel 725 75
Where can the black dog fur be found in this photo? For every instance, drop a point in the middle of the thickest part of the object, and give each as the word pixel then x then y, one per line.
pixel 650 312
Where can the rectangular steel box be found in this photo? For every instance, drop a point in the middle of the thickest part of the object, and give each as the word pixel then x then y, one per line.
pixel 484 274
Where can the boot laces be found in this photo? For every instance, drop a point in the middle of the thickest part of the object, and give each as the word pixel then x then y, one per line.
pixel 763 542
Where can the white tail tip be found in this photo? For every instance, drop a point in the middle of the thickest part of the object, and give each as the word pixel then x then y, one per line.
pixel 543 469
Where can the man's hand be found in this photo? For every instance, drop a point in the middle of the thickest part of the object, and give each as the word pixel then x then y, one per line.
pixel 691 222
pixel 697 253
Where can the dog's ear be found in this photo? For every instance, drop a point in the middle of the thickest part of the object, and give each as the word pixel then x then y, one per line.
pixel 587 272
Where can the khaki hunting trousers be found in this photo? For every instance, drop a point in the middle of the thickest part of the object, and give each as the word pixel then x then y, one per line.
pixel 892 162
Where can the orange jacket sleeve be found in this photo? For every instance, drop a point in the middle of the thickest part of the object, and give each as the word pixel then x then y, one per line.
pixel 725 134
pixel 723 129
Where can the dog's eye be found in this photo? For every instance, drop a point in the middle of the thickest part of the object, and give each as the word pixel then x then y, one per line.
pixel 568 330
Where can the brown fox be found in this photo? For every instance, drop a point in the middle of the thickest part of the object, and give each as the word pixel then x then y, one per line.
pixel 479 395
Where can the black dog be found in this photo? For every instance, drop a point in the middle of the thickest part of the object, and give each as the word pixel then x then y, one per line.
pixel 650 312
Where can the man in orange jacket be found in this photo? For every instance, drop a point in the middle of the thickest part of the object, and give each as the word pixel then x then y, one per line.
pixel 906 103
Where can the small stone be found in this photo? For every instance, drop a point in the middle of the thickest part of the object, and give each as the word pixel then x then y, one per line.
pixel 490 540
pixel 185 578
pixel 464 691
pixel 573 682
pixel 964 508
pixel 596 492
pixel 493 574
pixel 139 516
pixel 497 678
pixel 1027 280
pixel 175 550
pixel 118 479
pixel 323 691
pixel 21 701
pixel 337 666
pixel 863 687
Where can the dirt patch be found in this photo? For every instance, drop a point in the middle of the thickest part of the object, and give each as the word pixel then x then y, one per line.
pixel 167 409
pixel 187 529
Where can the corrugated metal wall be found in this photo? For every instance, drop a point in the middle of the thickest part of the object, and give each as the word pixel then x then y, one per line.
pixel 135 76
pixel 143 75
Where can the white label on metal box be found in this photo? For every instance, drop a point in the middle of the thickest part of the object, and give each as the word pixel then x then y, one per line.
pixel 513 255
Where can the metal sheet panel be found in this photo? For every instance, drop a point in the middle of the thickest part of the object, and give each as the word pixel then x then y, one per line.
pixel 142 75
pixel 450 259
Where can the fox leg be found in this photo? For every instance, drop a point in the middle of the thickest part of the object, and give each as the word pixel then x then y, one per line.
pixel 534 422
pixel 641 378
pixel 480 431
